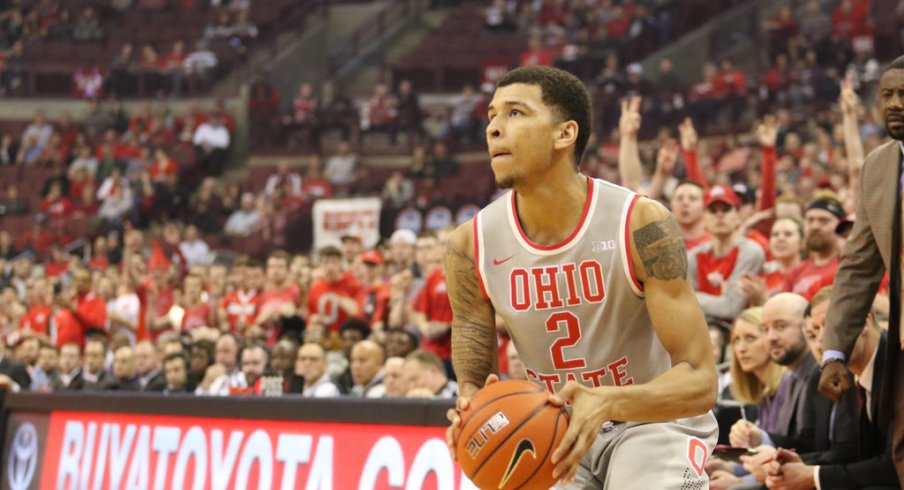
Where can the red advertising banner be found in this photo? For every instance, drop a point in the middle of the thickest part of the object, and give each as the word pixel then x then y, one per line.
pixel 92 450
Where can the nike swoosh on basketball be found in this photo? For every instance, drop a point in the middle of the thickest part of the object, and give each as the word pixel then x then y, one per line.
pixel 500 262
pixel 524 446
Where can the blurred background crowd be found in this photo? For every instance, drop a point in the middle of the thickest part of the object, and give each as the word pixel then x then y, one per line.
pixel 156 229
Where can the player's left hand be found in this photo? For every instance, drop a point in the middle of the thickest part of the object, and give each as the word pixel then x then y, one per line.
pixel 587 416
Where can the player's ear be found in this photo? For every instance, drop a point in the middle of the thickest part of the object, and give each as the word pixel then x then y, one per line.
pixel 566 135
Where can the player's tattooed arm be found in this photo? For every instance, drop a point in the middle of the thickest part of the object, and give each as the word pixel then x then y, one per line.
pixel 474 348
pixel 661 248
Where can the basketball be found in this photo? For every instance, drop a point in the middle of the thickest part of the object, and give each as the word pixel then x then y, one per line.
pixel 508 434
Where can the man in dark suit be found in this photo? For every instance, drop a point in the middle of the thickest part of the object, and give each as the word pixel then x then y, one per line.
pixel 14 370
pixel 147 360
pixel 874 468
pixel 806 421
pixel 70 375
pixel 873 247
pixel 96 377
pixel 124 369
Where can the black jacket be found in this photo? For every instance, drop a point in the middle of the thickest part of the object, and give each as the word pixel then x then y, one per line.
pixel 16 372
pixel 157 383
pixel 874 467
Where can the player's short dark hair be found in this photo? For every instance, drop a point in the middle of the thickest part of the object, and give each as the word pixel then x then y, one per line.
pixel 896 64
pixel 564 93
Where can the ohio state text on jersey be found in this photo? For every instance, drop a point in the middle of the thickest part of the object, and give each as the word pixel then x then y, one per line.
pixel 575 310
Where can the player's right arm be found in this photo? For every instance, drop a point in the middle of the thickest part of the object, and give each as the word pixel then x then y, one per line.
pixel 474 348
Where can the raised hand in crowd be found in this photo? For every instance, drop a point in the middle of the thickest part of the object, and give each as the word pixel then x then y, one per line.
pixel 767 131
pixel 688 135
pixel 629 166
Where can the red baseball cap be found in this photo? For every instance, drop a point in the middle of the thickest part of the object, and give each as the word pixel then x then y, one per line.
pixel 722 193
pixel 371 257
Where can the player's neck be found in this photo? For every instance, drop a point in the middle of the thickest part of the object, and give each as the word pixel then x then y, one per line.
pixel 550 210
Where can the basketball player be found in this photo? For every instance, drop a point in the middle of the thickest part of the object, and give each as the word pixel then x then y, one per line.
pixel 591 280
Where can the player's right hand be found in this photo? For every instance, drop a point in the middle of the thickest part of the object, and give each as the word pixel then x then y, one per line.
pixel 453 414
pixel 588 414
pixel 745 434
pixel 834 380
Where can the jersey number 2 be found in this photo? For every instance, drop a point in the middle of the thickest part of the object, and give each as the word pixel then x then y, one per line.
pixel 572 327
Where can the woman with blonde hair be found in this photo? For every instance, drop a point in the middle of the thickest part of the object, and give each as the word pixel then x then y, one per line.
pixel 755 377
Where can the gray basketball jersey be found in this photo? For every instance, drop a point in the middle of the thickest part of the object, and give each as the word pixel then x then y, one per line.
pixel 574 310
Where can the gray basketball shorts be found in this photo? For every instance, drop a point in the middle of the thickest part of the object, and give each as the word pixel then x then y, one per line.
pixel 655 456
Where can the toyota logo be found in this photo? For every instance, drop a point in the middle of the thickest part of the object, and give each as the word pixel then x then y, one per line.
pixel 23 457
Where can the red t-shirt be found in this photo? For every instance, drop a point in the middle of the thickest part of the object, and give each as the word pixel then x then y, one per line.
pixel 99 262
pixel 58 208
pixel 323 299
pixel 91 312
pixel 373 303
pixel 195 317
pixel 66 329
pixel 775 280
pixel 54 269
pixel 289 294
pixel 803 275
pixel 713 272
pixel 240 307
pixel 433 301
pixel 696 242
pixel 37 319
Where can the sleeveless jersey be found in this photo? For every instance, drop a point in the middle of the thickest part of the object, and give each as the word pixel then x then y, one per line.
pixel 575 310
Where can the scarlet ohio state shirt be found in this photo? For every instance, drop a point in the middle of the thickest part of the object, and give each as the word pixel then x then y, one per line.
pixel 575 310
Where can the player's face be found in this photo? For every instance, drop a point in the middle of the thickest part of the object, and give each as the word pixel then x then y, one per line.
pixel 891 102
pixel 520 134
pixel 784 240
pixel 687 205
pixel 750 346
pixel 814 328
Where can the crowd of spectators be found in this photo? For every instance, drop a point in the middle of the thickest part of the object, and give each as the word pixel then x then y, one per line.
pixel 765 215
pixel 151 68
pixel 149 315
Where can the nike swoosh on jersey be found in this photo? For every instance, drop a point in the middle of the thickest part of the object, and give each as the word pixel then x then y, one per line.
pixel 500 262
pixel 524 446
